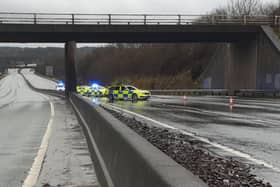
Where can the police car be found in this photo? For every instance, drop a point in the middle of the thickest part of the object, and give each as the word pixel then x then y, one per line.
pixel 60 86
pixel 84 90
pixel 126 92
pixel 97 90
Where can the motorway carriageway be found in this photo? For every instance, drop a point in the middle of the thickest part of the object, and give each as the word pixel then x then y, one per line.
pixel 33 125
pixel 250 126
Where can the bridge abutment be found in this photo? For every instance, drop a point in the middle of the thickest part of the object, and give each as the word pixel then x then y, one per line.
pixel 241 65
pixel 70 68
pixel 268 73
pixel 247 64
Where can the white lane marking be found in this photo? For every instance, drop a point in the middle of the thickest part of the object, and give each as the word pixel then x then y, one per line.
pixel 139 115
pixel 34 172
pixel 96 149
pixel 205 140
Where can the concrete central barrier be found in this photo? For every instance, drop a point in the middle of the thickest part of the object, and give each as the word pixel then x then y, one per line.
pixel 44 91
pixel 124 159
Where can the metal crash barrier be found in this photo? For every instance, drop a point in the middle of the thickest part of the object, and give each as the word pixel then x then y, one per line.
pixel 222 92
pixel 219 92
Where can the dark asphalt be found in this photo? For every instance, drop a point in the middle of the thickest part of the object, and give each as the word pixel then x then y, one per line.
pixel 24 115
pixel 251 126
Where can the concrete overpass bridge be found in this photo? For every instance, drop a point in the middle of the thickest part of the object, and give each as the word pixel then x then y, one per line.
pixel 250 39
pixel 22 66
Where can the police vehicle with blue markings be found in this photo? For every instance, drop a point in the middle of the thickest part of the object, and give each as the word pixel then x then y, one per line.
pixel 126 92
pixel 97 90
pixel 60 86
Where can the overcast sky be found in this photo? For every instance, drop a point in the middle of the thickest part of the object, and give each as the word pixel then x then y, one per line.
pixel 113 6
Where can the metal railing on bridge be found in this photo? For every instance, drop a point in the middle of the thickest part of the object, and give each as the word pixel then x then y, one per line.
pixel 134 19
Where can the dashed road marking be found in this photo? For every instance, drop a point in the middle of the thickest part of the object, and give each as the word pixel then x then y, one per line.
pixel 202 139
pixel 34 172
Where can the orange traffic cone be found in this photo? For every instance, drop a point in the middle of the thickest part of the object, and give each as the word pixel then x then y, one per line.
pixel 231 102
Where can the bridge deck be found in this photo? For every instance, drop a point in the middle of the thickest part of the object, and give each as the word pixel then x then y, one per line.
pixel 126 33
pixel 48 27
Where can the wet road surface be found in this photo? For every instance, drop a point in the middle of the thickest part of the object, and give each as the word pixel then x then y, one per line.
pixel 24 117
pixel 37 81
pixel 67 161
pixel 251 126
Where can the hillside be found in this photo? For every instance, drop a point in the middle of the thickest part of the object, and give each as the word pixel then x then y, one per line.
pixel 150 66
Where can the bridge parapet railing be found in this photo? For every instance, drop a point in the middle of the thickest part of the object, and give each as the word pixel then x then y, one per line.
pixel 134 19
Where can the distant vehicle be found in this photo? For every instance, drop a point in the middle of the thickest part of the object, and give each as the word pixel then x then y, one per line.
pixel 97 90
pixel 126 92
pixel 84 90
pixel 60 86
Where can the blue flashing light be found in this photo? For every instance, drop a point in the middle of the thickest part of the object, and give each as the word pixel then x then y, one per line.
pixel 60 83
pixel 94 85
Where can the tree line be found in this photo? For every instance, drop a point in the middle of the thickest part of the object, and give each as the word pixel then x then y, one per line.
pixel 146 65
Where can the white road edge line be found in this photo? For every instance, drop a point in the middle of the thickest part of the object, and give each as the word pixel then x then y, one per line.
pixel 35 170
pixel 202 139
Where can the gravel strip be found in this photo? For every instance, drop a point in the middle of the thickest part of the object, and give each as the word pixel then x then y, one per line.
pixel 212 169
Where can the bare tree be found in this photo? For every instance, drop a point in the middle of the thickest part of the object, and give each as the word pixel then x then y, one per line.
pixel 248 7
pixel 220 11
pixel 243 7
pixel 268 9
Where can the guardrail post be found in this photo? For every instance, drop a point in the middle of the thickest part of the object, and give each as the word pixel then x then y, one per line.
pixel 179 19
pixel 213 19
pixel 73 19
pixel 245 19
pixel 145 19
pixel 35 18
pixel 276 20
pixel 110 19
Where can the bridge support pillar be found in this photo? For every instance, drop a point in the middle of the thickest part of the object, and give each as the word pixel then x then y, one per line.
pixel 70 70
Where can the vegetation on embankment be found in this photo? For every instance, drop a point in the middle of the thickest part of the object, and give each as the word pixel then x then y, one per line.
pixel 178 81
pixel 148 66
